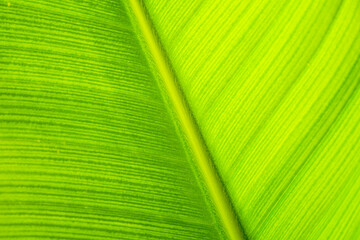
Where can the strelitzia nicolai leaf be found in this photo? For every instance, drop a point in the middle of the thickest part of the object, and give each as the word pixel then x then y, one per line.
pixel 180 119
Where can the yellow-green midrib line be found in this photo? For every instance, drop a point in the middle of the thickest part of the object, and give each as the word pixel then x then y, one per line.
pixel 188 126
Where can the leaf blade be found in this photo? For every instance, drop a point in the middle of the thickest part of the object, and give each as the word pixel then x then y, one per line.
pixel 88 149
pixel 260 77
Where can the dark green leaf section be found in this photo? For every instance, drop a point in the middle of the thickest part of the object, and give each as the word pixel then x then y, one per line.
pixel 88 150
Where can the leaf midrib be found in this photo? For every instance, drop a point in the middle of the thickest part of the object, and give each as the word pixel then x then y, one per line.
pixel 187 124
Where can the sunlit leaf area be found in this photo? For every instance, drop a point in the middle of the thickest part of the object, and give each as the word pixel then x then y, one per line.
pixel 169 119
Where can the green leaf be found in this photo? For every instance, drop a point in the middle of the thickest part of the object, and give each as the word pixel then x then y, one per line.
pixel 180 119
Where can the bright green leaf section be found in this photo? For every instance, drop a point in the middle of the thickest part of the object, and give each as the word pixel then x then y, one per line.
pixel 185 121
pixel 88 149
pixel 274 87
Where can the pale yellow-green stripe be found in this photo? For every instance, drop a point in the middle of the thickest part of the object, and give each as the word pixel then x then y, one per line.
pixel 188 125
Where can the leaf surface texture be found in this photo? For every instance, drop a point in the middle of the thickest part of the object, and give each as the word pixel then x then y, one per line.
pixel 91 147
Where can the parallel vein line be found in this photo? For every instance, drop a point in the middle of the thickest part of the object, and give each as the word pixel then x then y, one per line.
pixel 188 125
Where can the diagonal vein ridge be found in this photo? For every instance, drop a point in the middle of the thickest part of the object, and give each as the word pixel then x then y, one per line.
pixel 188 125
